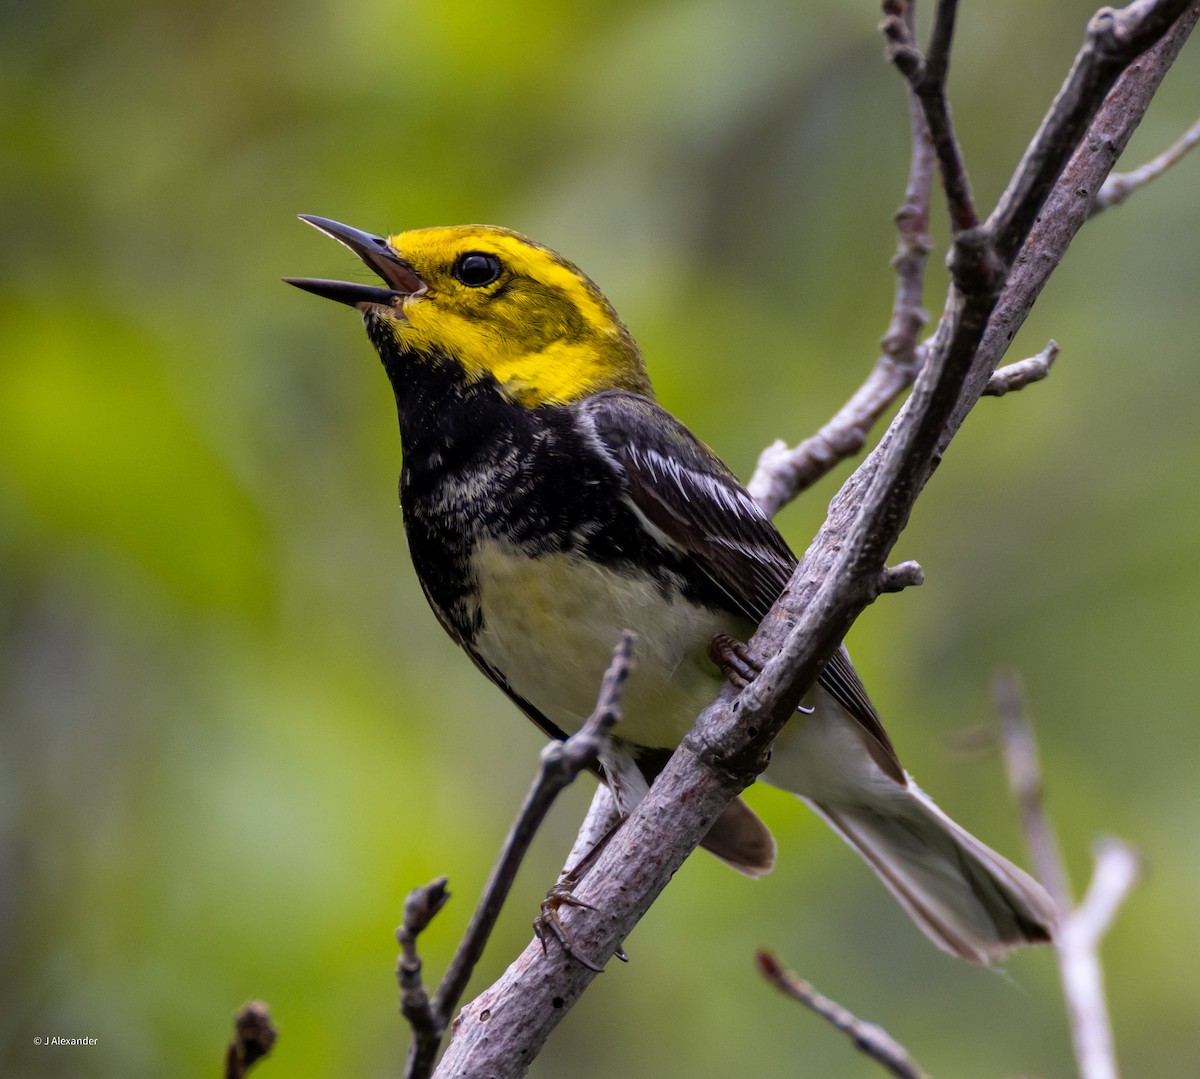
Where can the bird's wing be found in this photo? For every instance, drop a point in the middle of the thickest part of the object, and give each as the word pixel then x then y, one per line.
pixel 691 501
pixel 688 496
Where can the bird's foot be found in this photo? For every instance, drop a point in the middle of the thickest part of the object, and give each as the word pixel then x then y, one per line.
pixel 548 924
pixel 735 662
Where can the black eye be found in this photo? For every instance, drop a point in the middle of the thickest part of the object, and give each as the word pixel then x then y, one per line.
pixel 477 269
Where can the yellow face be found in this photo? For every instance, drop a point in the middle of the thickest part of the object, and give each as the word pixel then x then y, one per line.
pixel 509 309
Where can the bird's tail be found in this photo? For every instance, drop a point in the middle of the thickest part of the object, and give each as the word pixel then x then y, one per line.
pixel 964 896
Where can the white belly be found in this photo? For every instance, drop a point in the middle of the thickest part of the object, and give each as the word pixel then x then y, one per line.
pixel 550 624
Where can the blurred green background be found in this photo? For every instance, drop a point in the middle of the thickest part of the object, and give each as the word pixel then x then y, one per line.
pixel 232 735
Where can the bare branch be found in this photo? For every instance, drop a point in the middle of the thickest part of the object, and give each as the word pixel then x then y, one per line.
pixel 253 1038
pixel 783 473
pixel 1120 185
pixel 601 817
pixel 937 56
pixel 1066 209
pixel 927 77
pixel 1117 868
pixel 1025 780
pixel 420 908
pixel 931 89
pixel 868 1038
pixel 1114 39
pixel 561 763
pixel 1016 376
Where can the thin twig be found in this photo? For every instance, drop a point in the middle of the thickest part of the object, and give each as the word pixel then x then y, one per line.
pixel 1120 185
pixel 1016 376
pixel 868 1038
pixel 253 1037
pixel 932 91
pixel 561 763
pixel 420 908
pixel 1077 942
pixel 782 472
pixel 927 77
pixel 1022 764
pixel 937 56
pixel 602 816
pixel 1118 867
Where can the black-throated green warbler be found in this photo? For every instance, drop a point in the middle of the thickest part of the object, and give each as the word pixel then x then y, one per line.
pixel 550 503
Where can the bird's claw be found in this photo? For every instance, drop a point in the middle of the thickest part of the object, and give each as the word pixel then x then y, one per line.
pixel 735 662
pixel 548 923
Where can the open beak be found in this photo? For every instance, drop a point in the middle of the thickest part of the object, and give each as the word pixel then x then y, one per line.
pixel 376 253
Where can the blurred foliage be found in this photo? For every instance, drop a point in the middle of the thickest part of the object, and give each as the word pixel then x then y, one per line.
pixel 232 736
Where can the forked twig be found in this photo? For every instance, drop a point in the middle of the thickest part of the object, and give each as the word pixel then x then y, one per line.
pixel 419 910
pixel 1118 866
pixel 561 763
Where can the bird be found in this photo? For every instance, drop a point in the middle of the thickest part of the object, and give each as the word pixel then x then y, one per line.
pixel 550 503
